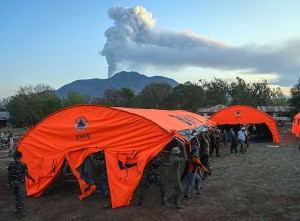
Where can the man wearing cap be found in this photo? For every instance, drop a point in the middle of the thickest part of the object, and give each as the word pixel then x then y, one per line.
pixel 17 171
pixel 242 138
pixel 174 175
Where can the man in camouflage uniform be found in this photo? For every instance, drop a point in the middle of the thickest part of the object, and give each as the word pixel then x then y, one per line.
pixel 153 177
pixel 174 175
pixel 17 171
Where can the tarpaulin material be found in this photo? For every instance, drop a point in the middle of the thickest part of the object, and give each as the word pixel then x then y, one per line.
pixel 129 138
pixel 296 125
pixel 245 115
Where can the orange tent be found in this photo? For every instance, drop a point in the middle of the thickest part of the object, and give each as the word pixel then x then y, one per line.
pixel 296 125
pixel 245 115
pixel 127 136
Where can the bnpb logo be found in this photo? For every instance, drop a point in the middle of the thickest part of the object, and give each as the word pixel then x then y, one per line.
pixel 238 113
pixel 81 123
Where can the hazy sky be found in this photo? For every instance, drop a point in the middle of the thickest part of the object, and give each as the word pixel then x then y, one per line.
pixel 56 42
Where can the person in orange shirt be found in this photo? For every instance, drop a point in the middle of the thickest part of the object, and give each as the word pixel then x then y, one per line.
pixel 194 176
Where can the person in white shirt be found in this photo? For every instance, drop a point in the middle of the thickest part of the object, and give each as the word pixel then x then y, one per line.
pixel 10 141
pixel 242 138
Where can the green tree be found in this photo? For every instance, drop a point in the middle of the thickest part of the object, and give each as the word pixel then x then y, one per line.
pixel 31 104
pixel 250 94
pixel 295 97
pixel 187 96
pixel 3 104
pixel 216 92
pixel 260 94
pixel 154 95
pixel 102 101
pixel 278 98
pixel 239 92
pixel 121 98
pixel 74 98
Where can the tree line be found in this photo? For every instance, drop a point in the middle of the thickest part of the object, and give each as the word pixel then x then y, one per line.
pixel 31 104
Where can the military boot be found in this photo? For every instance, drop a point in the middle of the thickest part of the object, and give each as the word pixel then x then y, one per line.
pixel 20 215
pixel 164 201
pixel 139 203
pixel 177 205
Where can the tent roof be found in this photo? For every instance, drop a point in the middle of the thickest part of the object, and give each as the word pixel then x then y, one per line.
pixel 245 115
pixel 179 120
pixel 169 120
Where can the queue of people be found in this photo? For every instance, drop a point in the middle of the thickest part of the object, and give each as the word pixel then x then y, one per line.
pixel 195 158
pixel 197 167
pixel 241 138
pixel 220 138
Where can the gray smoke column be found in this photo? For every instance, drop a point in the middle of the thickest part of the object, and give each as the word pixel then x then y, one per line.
pixel 130 24
pixel 133 40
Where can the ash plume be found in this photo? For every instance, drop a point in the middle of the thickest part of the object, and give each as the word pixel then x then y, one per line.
pixel 134 41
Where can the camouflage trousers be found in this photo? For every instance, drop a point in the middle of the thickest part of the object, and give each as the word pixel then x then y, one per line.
pixel 158 181
pixel 19 191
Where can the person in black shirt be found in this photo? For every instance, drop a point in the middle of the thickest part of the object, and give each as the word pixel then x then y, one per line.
pixel 17 171
pixel 234 141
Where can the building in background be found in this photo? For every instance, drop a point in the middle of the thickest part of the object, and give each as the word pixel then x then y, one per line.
pixel 283 114
pixel 4 119
pixel 207 112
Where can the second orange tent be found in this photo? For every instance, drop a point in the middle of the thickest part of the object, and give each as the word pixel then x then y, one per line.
pixel 245 115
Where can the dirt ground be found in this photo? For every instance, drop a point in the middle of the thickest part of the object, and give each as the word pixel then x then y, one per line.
pixel 262 184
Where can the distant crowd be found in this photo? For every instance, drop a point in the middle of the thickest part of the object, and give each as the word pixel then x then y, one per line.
pixel 7 142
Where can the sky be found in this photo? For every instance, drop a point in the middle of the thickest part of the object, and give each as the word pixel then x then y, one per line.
pixel 57 42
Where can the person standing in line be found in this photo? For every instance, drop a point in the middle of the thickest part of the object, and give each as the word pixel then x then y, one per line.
pixel 215 142
pixel 224 139
pixel 242 139
pixel 204 156
pixel 234 141
pixel 100 161
pixel 17 171
pixel 193 175
pixel 246 140
pixel 10 141
pixel 251 129
pixel 153 177
pixel 174 175
pixel 195 144
pixel 218 141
